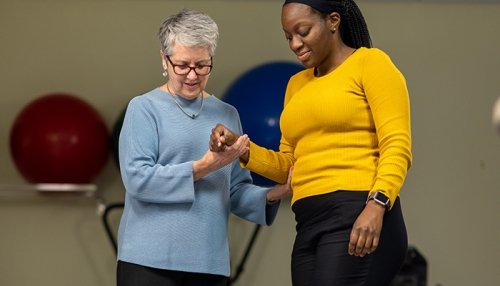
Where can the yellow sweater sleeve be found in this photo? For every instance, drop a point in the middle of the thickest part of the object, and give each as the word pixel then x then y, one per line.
pixel 387 95
pixel 270 163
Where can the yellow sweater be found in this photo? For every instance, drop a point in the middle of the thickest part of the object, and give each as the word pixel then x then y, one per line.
pixel 347 130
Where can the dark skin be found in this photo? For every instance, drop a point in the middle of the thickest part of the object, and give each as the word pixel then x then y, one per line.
pixel 317 43
pixel 313 38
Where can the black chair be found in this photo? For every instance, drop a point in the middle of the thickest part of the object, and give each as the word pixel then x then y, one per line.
pixel 414 270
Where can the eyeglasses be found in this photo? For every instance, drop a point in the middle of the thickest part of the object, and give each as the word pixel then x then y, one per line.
pixel 186 69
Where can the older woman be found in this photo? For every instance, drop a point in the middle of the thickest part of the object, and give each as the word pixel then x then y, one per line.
pixel 173 230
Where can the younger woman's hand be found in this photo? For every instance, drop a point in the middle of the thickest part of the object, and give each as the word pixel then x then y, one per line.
pixel 366 230
pixel 221 137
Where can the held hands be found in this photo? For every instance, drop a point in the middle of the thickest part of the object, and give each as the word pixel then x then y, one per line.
pixel 365 233
pixel 221 137
pixel 222 140
pixel 212 161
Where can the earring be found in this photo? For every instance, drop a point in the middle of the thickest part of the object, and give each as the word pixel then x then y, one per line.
pixel 334 29
pixel 164 74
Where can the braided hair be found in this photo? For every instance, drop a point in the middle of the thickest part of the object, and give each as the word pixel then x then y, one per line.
pixel 353 28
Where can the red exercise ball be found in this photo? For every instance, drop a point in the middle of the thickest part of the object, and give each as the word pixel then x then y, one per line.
pixel 59 138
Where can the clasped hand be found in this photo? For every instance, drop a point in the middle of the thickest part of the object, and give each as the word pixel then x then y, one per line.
pixel 212 161
pixel 222 138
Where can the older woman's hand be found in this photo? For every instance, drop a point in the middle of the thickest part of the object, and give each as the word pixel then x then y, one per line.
pixel 221 137
pixel 279 192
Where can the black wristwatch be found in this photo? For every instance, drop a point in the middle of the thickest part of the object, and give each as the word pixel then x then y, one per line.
pixel 380 198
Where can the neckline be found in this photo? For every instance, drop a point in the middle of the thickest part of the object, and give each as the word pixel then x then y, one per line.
pixel 351 55
pixel 190 115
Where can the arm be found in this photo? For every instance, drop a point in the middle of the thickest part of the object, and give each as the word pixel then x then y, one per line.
pixel 387 95
pixel 248 201
pixel 388 98
pixel 253 203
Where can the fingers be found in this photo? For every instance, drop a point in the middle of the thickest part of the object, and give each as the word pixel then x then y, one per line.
pixel 365 234
pixel 288 184
pixel 279 192
pixel 357 244
pixel 221 137
pixel 362 242
pixel 353 242
pixel 217 139
pixel 374 244
pixel 289 180
pixel 240 146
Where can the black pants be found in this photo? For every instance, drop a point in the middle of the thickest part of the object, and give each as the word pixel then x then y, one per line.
pixel 320 253
pixel 129 274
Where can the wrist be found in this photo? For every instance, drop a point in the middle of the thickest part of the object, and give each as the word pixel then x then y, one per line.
pixel 379 198
pixel 371 204
pixel 200 169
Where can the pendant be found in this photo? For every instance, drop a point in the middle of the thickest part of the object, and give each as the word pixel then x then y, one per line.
pixel 192 116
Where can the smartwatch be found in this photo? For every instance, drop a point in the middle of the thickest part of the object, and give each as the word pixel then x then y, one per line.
pixel 380 198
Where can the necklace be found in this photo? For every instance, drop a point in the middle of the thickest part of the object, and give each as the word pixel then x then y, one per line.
pixel 193 115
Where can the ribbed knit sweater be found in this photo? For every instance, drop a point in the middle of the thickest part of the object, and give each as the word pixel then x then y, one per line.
pixel 169 220
pixel 347 130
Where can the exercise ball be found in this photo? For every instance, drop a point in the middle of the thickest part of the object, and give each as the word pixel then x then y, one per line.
pixel 496 115
pixel 258 95
pixel 59 138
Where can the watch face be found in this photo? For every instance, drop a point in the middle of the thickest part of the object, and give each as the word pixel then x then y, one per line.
pixel 382 198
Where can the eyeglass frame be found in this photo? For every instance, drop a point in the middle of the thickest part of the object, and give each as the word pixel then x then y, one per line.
pixel 190 67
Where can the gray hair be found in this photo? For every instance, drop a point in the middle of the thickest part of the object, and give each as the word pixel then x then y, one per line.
pixel 190 29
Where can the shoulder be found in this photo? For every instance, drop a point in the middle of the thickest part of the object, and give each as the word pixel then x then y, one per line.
pixel 220 102
pixel 375 54
pixel 303 75
pixel 145 98
pixel 298 80
pixel 376 61
pixel 150 100
pixel 221 105
pixel 222 112
pixel 146 104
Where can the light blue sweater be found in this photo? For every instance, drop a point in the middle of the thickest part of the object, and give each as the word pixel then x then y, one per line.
pixel 170 221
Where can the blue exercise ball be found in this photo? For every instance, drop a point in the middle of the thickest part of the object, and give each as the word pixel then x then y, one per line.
pixel 258 94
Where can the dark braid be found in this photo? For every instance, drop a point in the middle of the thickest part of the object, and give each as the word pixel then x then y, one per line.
pixel 353 28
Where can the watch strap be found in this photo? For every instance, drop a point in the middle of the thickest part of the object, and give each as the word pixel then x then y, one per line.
pixel 380 198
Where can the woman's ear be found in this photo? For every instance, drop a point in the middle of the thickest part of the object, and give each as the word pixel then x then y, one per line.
pixel 333 21
pixel 163 61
